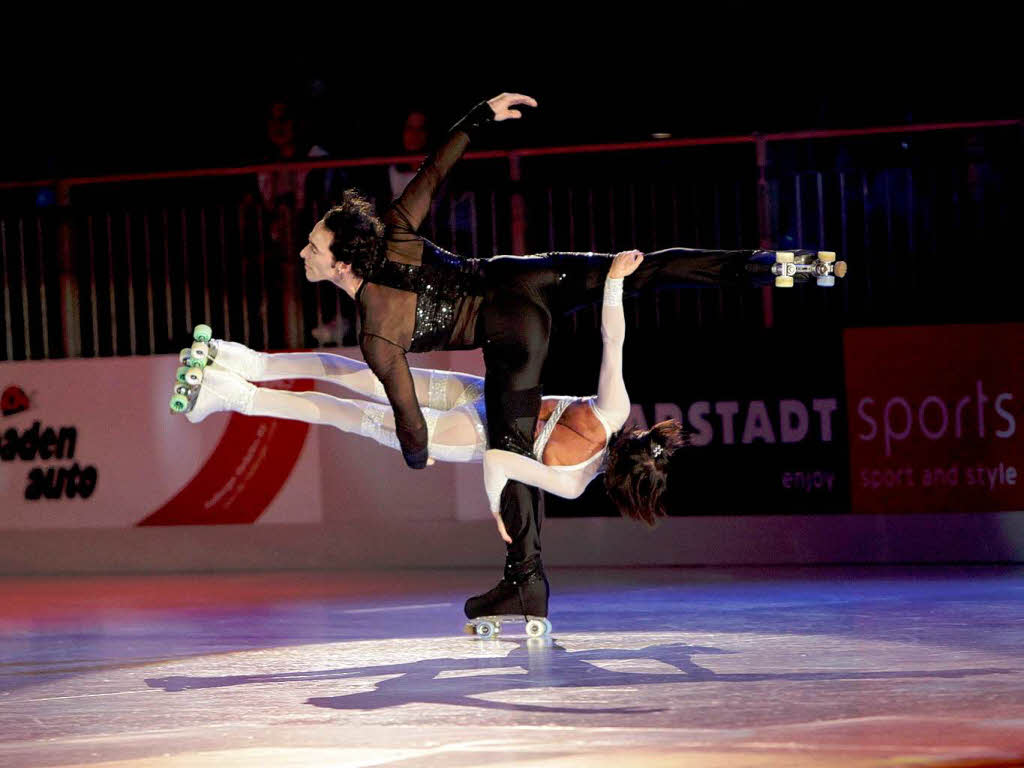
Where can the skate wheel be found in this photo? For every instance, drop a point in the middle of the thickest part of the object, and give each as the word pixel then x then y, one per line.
pixel 826 256
pixel 184 355
pixel 784 282
pixel 194 377
pixel 180 373
pixel 202 333
pixel 784 257
pixel 179 403
pixel 201 351
pixel 826 282
pixel 182 389
pixel 839 269
pixel 485 629
pixel 537 627
pixel 547 626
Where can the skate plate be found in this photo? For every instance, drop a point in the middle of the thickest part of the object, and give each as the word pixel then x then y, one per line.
pixel 490 626
pixel 189 376
pixel 803 265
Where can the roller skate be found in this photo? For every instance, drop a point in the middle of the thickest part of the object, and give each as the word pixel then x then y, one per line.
pixel 520 596
pixel 788 267
pixel 200 389
pixel 238 358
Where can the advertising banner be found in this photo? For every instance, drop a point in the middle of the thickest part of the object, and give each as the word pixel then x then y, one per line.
pixel 766 410
pixel 933 414
pixel 92 444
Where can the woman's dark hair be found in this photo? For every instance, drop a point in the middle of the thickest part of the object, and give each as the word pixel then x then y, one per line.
pixel 636 476
pixel 358 233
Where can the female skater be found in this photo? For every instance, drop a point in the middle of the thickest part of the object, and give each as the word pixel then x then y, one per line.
pixel 574 440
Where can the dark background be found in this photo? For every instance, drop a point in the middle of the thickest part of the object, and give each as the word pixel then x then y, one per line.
pixel 137 110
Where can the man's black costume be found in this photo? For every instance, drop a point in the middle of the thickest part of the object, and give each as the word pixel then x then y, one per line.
pixel 418 297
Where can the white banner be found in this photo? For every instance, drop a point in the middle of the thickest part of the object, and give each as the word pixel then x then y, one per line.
pixel 92 444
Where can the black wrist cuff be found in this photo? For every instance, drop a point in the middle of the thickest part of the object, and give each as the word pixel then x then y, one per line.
pixel 479 116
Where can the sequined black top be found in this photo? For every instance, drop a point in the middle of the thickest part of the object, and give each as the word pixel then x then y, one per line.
pixel 422 298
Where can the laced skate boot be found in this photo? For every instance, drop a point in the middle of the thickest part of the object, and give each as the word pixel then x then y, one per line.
pixel 786 267
pixel 521 595
pixel 238 358
pixel 219 390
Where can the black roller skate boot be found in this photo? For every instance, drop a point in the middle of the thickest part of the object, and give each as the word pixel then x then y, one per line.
pixel 521 595
pixel 784 268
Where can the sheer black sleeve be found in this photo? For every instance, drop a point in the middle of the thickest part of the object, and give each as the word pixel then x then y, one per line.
pixel 388 363
pixel 409 210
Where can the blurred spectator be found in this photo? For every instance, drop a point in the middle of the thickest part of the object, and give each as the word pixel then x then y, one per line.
pixel 415 138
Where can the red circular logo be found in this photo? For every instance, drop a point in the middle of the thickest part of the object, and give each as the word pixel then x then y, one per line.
pixel 13 400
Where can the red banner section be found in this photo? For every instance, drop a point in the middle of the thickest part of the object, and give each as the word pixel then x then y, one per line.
pixel 244 473
pixel 932 415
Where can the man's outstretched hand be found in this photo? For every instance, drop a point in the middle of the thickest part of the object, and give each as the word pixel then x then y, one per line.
pixel 503 103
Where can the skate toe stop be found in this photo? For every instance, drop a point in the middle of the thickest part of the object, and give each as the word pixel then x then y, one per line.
pixel 839 269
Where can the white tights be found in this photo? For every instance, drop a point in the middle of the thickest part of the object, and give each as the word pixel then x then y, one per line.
pixel 452 403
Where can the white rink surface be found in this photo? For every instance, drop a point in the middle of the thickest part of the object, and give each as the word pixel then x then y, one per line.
pixel 657 667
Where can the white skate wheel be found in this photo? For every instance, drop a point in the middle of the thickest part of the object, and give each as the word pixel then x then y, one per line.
pixel 827 281
pixel 484 629
pixel 784 282
pixel 535 627
pixel 547 626
pixel 784 257
pixel 826 256
pixel 184 355
pixel 194 377
pixel 200 350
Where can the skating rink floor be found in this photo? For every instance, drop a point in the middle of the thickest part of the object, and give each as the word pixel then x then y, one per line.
pixel 704 667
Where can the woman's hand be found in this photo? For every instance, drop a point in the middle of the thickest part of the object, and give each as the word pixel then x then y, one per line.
pixel 625 264
pixel 501 105
pixel 501 529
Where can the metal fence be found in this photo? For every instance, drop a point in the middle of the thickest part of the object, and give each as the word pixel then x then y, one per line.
pixel 923 214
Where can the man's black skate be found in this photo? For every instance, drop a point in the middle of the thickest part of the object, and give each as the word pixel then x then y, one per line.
pixel 786 267
pixel 521 595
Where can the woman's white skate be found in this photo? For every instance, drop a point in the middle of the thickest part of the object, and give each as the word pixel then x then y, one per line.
pixel 490 626
pixel 200 390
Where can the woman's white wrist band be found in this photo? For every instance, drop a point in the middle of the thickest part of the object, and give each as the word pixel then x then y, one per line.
pixel 613 291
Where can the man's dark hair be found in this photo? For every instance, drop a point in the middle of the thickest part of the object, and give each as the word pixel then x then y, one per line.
pixel 358 233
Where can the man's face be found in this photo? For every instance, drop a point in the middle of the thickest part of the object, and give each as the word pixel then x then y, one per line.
pixel 320 264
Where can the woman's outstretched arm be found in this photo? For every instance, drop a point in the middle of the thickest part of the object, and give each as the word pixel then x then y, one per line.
pixel 502 466
pixel 612 398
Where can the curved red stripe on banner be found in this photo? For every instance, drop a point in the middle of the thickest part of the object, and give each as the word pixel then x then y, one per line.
pixel 246 471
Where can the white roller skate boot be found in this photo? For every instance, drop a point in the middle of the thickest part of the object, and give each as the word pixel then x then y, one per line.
pixel 220 390
pixel 238 358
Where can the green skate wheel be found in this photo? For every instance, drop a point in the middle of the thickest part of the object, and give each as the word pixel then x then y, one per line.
pixel 179 404
pixel 784 257
pixel 184 355
pixel 194 377
pixel 783 282
pixel 202 333
pixel 180 374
